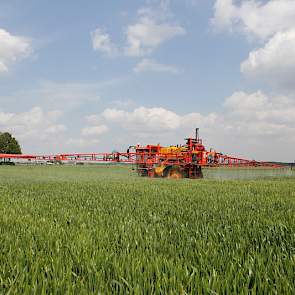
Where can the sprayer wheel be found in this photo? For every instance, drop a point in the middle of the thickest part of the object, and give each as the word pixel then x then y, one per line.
pixel 173 172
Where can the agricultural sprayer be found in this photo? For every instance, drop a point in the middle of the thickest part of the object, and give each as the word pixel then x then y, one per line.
pixel 179 161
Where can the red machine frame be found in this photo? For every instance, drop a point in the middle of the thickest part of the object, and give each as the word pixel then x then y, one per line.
pixel 188 159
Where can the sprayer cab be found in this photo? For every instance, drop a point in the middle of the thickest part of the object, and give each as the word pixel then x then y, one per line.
pixel 172 162
pixel 195 144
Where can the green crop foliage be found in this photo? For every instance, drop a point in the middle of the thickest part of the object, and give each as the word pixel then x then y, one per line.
pixel 104 230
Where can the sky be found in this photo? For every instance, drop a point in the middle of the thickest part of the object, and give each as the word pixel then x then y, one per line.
pixel 98 76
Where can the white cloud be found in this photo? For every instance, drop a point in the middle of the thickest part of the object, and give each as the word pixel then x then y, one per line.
pixel 245 102
pixel 258 114
pixel 101 41
pixel 35 125
pixel 275 62
pixel 94 130
pixel 155 119
pixel 152 118
pixel 149 65
pixel 273 23
pixel 149 33
pixel 12 48
pixel 256 126
pixel 256 18
pixel 152 28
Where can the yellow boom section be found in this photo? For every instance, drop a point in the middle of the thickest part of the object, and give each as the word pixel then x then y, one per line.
pixel 171 150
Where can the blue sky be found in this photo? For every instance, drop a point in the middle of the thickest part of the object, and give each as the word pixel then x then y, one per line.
pixel 100 75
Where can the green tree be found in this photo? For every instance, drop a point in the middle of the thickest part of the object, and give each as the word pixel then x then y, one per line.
pixel 8 144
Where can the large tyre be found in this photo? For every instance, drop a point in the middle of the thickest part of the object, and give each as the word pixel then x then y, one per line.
pixel 173 172
pixel 199 173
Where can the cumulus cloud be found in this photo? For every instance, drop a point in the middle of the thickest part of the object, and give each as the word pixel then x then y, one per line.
pixel 272 22
pixel 152 28
pixel 256 18
pixel 12 49
pixel 149 65
pixel 101 41
pixel 257 125
pixel 150 120
pixel 256 113
pixel 35 125
pixel 149 32
pixel 275 62
pixel 250 113
pixel 242 101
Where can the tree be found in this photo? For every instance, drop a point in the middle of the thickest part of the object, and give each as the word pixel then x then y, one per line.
pixel 8 144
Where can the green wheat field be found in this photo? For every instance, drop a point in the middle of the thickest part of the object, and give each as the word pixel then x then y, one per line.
pixel 105 230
